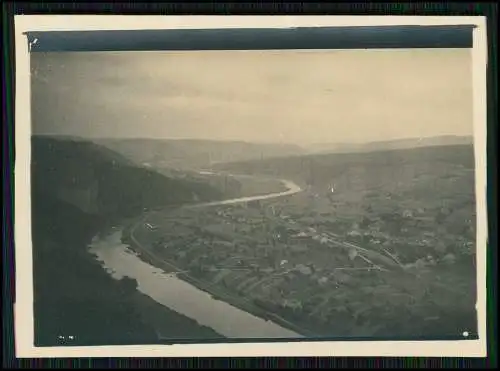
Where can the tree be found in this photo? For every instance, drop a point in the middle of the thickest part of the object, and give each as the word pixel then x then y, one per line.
pixel 128 284
pixel 365 222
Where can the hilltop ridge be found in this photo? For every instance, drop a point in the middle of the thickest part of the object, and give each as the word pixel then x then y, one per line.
pixel 445 140
pixel 195 153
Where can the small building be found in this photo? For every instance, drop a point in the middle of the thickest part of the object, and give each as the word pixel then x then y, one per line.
pixel 292 303
pixel 150 226
pixel 323 280
pixel 303 269
pixel 323 240
pixel 407 214
pixel 354 233
pixel 300 234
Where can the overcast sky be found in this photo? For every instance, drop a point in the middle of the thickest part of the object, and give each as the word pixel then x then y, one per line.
pixel 299 97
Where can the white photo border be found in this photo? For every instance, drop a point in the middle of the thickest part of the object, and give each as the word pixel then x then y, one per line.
pixel 23 308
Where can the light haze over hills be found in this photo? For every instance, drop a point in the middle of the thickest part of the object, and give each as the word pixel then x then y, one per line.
pixel 388 145
pixel 196 153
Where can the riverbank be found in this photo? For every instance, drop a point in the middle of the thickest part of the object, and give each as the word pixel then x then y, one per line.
pixel 77 303
pixel 216 293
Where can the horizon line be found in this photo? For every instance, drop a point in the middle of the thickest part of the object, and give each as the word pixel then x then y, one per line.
pixel 470 136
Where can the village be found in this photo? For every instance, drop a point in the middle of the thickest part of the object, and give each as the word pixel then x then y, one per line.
pixel 297 256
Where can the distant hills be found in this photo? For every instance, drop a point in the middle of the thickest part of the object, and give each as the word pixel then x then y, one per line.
pixel 322 169
pixel 194 153
pixel 100 181
pixel 199 154
pixel 446 140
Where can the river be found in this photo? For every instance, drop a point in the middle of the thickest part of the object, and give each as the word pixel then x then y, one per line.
pixel 182 297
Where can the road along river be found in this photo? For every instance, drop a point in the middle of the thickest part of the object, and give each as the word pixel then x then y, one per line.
pixel 181 296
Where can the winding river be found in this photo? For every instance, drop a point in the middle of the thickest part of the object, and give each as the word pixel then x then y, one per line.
pixel 182 297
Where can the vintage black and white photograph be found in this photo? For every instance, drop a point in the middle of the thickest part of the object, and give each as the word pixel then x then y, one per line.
pixel 212 196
